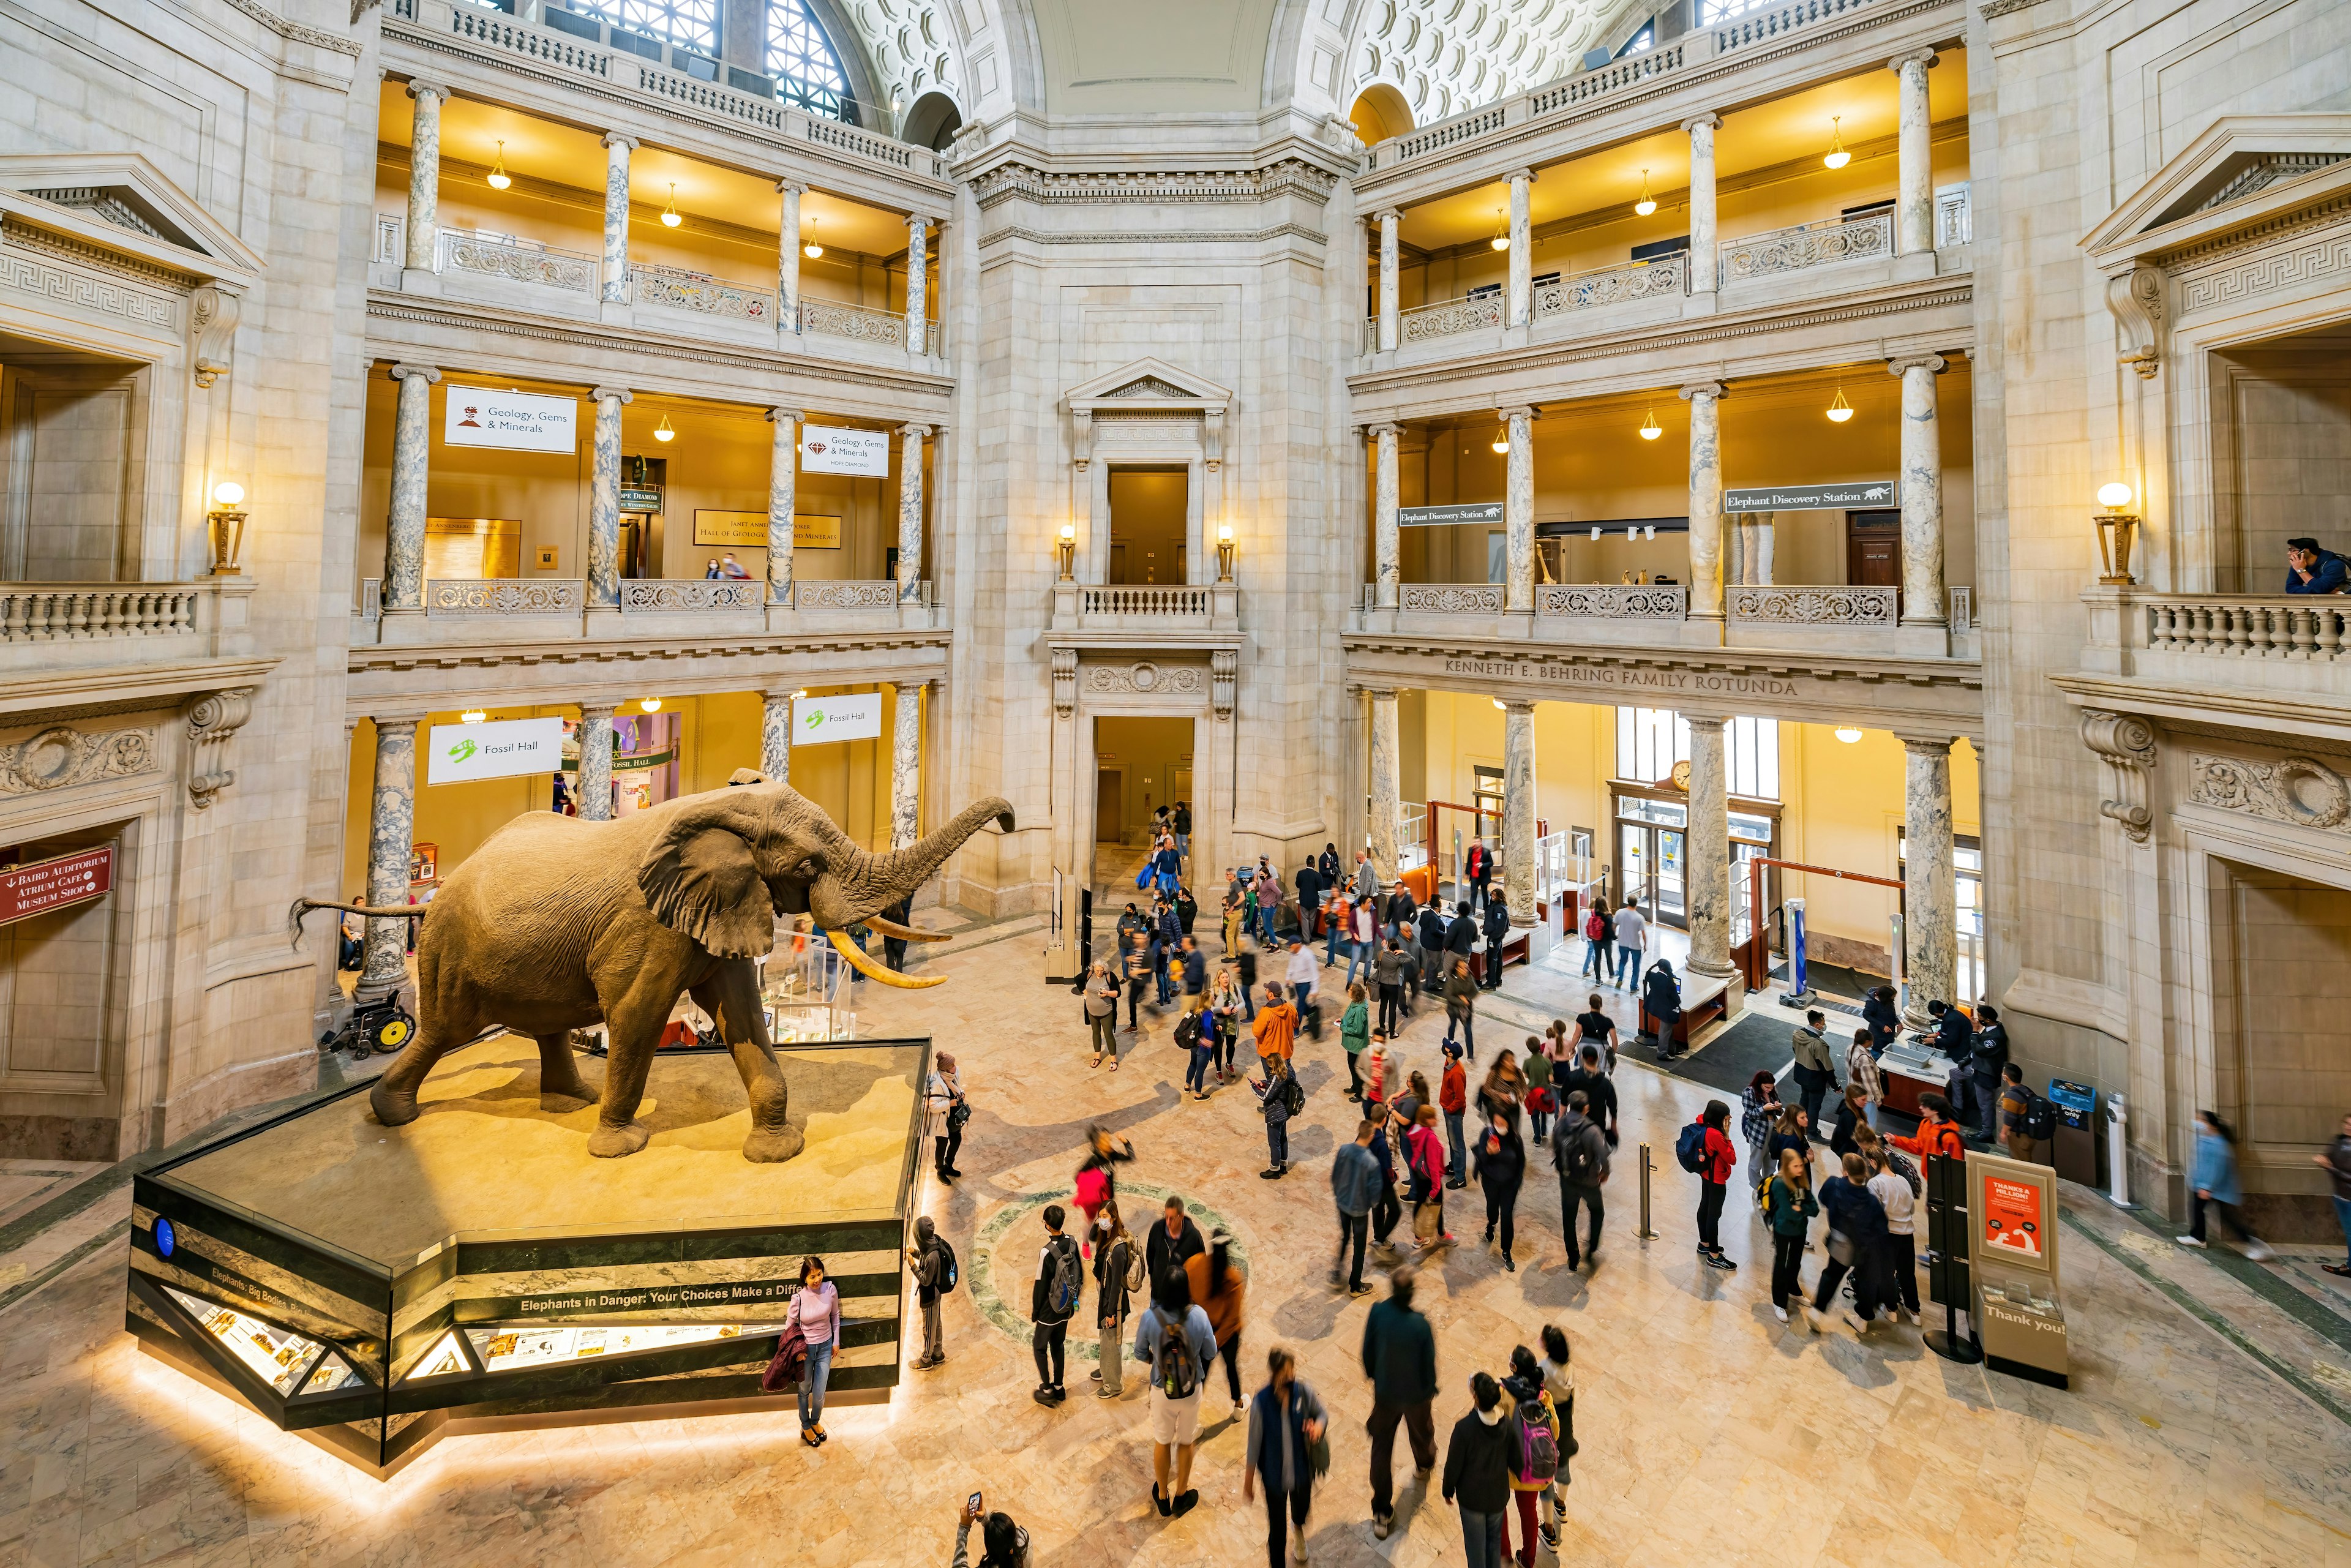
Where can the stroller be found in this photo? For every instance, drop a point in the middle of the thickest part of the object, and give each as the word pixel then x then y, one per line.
pixel 383 1025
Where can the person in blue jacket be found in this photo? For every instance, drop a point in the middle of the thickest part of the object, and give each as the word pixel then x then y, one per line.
pixel 2212 1179
pixel 2310 570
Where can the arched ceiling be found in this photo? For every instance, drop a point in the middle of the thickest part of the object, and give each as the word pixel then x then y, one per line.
pixel 913 48
pixel 1448 56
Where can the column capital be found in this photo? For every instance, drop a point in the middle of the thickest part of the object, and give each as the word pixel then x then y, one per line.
pixel 1515 175
pixel 1518 410
pixel 407 721
pixel 1709 121
pixel 401 371
pixel 914 432
pixel 915 682
pixel 792 187
pixel 1923 59
pixel 613 394
pixel 1382 427
pixel 1379 694
pixel 1934 362
pixel 1387 216
pixel 1516 709
pixel 597 710
pixel 619 139
pixel 421 87
pixel 1712 390
pixel 781 415
pixel 1938 743
pixel 1703 720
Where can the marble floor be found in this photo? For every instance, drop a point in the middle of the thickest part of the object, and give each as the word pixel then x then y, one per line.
pixel 2204 1426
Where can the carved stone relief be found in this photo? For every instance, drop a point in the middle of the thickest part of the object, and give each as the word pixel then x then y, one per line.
pixel 2126 744
pixel 1145 678
pixel 61 756
pixel 2298 790
pixel 211 722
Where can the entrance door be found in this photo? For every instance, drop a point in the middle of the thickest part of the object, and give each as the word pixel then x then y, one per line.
pixel 1872 548
pixel 1110 807
pixel 1651 858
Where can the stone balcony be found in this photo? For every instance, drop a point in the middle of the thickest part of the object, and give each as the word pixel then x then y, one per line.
pixel 1832 619
pixel 1146 614
pixel 81 641
pixel 458 611
pixel 2279 663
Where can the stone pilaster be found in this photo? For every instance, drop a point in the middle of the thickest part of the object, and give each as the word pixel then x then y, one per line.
pixel 776 737
pixel 1387 546
pixel 1519 810
pixel 1701 129
pixel 1704 399
pixel 907 765
pixel 1759 563
pixel 1913 204
pixel 1390 327
pixel 411 467
pixel 918 246
pixel 788 257
pixel 595 774
pixel 1705 849
pixel 783 483
pixel 391 828
pixel 1387 799
pixel 1930 933
pixel 1522 295
pixel 1922 491
pixel 617 147
pixel 910 513
pixel 424 190
pixel 1519 511
pixel 604 499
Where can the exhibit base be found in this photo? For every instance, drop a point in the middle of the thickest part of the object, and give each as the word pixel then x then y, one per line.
pixel 376 1288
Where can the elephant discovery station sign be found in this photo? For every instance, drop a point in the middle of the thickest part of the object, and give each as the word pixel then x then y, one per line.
pixel 464 753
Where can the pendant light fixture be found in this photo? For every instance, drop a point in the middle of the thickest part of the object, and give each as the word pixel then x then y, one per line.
pixel 1848 733
pixel 1501 231
pixel 1650 428
pixel 1838 157
pixel 670 217
pixel 1503 439
pixel 808 247
pixel 500 179
pixel 665 431
pixel 650 705
pixel 1840 410
pixel 1647 204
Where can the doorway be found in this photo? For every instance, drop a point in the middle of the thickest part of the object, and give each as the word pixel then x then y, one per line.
pixel 1872 548
pixel 1649 856
pixel 1149 514
pixel 1140 766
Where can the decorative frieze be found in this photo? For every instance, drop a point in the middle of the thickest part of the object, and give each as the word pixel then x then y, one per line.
pixel 820 595
pixel 2298 790
pixel 503 596
pixel 62 756
pixel 1143 678
pixel 690 593
pixel 1805 606
pixel 1614 602
pixel 1450 598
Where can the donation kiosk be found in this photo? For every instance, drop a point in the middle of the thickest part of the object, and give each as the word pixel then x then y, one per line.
pixel 2012 1240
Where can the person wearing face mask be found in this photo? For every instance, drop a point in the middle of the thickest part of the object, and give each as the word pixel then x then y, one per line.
pixel 1502 1161
pixel 1114 1264
pixel 1478 1461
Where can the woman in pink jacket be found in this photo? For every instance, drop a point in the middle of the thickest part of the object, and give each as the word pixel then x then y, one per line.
pixel 1425 1158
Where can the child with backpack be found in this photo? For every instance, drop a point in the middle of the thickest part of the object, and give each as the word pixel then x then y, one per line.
pixel 935 1272
pixel 1174 1337
pixel 1282 1097
pixel 1706 1151
pixel 1052 1302
pixel 1786 1202
pixel 1534 1423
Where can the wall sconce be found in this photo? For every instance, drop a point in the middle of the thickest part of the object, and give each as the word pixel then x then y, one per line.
pixel 2117 525
pixel 1647 204
pixel 1224 553
pixel 1066 546
pixel 1838 157
pixel 670 218
pixel 665 431
pixel 499 180
pixel 471 716
pixel 1650 428
pixel 1839 410
pixel 1848 733
pixel 227 520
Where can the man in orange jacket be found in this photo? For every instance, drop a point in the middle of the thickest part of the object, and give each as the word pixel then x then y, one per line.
pixel 1277 1024
pixel 1938 1132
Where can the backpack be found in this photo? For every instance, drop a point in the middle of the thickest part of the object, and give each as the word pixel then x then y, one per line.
pixel 1690 1148
pixel 950 1269
pixel 1179 1377
pixel 1534 1434
pixel 1595 926
pixel 1763 1197
pixel 1134 1266
pixel 1187 1031
pixel 1900 1163
pixel 1576 1159
pixel 1292 1093
pixel 2040 1116
pixel 1067 1281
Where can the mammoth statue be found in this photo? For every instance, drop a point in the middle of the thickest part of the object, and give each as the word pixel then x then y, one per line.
pixel 557 923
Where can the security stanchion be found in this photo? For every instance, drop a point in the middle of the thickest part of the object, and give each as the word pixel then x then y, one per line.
pixel 1648 1232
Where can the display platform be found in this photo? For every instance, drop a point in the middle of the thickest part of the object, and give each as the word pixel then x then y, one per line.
pixel 372 1287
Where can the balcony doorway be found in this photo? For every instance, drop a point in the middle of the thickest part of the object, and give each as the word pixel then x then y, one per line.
pixel 1140 765
pixel 1149 512
pixel 1872 548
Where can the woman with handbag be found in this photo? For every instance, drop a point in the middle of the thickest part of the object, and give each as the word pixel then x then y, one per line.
pixel 1288 1449
pixel 1425 1158
pixel 949 1111
pixel 1102 1011
pixel 815 1312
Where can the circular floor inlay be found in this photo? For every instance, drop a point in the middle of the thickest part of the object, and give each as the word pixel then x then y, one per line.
pixel 1012 1316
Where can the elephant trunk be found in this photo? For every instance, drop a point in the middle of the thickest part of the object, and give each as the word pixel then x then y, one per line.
pixel 860 884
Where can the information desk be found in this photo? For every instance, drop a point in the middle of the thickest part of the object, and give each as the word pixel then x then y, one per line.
pixel 373 1287
pixel 1911 1069
pixel 1705 1001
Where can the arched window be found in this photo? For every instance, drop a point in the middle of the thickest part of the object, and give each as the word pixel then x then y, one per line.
pixel 693 22
pixel 803 62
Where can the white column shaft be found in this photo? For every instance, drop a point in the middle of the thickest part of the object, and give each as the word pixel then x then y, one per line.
pixel 918 245
pixel 411 464
pixel 1930 940
pixel 391 826
pixel 617 147
pixel 1913 206
pixel 1387 800
pixel 604 499
pixel 910 514
pixel 1519 511
pixel 1702 202
pixel 1389 324
pixel 787 257
pixel 1705 500
pixel 783 483
pixel 1387 546
pixel 906 767
pixel 1519 812
pixel 776 737
pixel 595 776
pixel 1522 249
pixel 1706 851
pixel 425 180
pixel 1922 494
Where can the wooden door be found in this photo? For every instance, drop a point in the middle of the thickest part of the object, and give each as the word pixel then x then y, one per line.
pixel 1872 548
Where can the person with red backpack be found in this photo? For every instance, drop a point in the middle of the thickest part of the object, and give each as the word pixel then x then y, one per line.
pixel 1535 1423
pixel 1706 1151
pixel 1599 933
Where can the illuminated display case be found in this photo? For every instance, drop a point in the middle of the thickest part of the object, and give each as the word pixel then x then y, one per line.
pixel 805 991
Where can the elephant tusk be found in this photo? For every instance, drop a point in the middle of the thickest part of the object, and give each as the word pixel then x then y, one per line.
pixel 902 933
pixel 873 971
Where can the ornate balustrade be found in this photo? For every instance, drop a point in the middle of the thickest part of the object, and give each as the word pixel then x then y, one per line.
pixel 1613 77
pixel 1449 597
pixel 692 594
pixel 1792 604
pixel 1423 322
pixel 1614 600
pixel 675 288
pixel 835 595
pixel 75 612
pixel 1144 599
pixel 479 254
pixel 2302 628
pixel 831 318
pixel 1806 246
pixel 1667 275
pixel 1762 26
pixel 500 595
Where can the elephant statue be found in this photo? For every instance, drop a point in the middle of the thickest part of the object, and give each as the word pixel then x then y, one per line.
pixel 556 922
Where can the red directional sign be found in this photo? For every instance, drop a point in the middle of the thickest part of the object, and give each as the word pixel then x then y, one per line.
pixel 29 890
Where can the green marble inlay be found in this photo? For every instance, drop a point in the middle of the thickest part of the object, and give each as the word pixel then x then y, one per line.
pixel 1012 1317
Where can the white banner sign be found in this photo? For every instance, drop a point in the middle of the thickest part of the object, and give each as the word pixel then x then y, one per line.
pixel 520 422
pixel 464 752
pixel 826 449
pixel 816 720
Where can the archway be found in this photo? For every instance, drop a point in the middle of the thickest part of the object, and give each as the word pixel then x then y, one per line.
pixel 1379 113
pixel 932 122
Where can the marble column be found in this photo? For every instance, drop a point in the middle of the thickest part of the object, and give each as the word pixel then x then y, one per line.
pixel 1386 538
pixel 1519 511
pixel 1922 491
pixel 617 149
pixel 910 514
pixel 776 737
pixel 1759 562
pixel 918 282
pixel 907 765
pixel 423 194
pixel 411 467
pixel 1519 810
pixel 1387 799
pixel 1701 129
pixel 1521 293
pixel 1930 933
pixel 788 257
pixel 595 774
pixel 1914 156
pixel 1705 849
pixel 783 483
pixel 391 826
pixel 1390 333
pixel 1704 399
pixel 604 499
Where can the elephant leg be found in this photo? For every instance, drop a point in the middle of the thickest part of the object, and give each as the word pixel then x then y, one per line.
pixel 560 1087
pixel 444 1021
pixel 731 996
pixel 634 1028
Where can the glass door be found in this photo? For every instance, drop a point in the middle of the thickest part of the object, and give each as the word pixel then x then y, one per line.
pixel 1649 854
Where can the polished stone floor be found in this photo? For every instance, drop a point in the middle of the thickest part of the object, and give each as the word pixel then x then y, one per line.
pixel 2204 1426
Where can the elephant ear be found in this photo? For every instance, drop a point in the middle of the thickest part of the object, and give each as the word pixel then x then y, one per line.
pixel 700 881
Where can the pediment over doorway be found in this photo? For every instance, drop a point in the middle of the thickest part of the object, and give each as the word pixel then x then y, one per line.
pixel 1148 386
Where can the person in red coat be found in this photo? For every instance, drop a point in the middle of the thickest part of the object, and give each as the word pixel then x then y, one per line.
pixel 1714 1183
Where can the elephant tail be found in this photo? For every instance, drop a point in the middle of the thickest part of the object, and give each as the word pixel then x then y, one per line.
pixel 302 907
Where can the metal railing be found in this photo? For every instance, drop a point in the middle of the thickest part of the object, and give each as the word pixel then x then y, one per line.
pixel 1806 246
pixel 1423 322
pixel 481 253
pixel 1614 600
pixel 692 593
pixel 78 611
pixel 675 288
pixel 2302 628
pixel 1143 599
pixel 1450 598
pixel 1776 604
pixel 1669 275
pixel 501 595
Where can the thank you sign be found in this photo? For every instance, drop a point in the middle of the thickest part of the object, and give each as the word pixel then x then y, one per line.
pixel 29 890
pixel 462 753
pixel 1812 498
pixel 1449 516
pixel 518 422
pixel 816 720
pixel 832 449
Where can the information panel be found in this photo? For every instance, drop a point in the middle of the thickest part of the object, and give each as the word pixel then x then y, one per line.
pixel 462 753
pixel 518 422
pixel 816 720
pixel 29 890
pixel 1812 498
pixel 833 449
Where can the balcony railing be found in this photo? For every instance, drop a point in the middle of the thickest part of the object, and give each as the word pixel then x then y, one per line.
pixel 675 288
pixel 838 595
pixel 2294 628
pixel 1669 275
pixel 477 253
pixel 1955 221
pixel 73 611
pixel 502 595
pixel 1761 26
pixel 1423 322
pixel 705 594
pixel 1612 77
pixel 831 318
pixel 1449 597
pixel 1144 599
pixel 1803 605
pixel 1806 246
pixel 1614 600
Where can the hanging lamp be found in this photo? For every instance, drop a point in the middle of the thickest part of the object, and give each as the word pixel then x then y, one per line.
pixel 1647 204
pixel 670 217
pixel 1501 240
pixel 1838 157
pixel 500 179
pixel 1840 410
pixel 665 431
pixel 808 247
pixel 1503 439
pixel 1650 428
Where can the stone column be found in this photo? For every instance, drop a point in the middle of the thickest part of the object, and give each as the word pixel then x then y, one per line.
pixel 1519 809
pixel 1704 399
pixel 1760 565
pixel 1519 511
pixel 776 737
pixel 604 499
pixel 907 765
pixel 1930 933
pixel 1389 332
pixel 783 482
pixel 1913 206
pixel 1705 849
pixel 1521 294
pixel 1386 544
pixel 1922 491
pixel 391 826
pixel 617 147
pixel 918 282
pixel 910 514
pixel 788 257
pixel 1387 799
pixel 1701 129
pixel 411 467
pixel 423 201
pixel 595 774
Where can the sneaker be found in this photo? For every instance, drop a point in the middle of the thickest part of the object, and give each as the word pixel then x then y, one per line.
pixel 1490 1235
pixel 2189 1240
pixel 1272 1175
pixel 1716 1261
pixel 1095 1374
pixel 1781 1313
pixel 1382 1524
pixel 1107 1393
pixel 1509 1267
pixel 1186 1502
pixel 1551 1538
pixel 1160 1501
pixel 1366 1289
pixel 2259 1251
